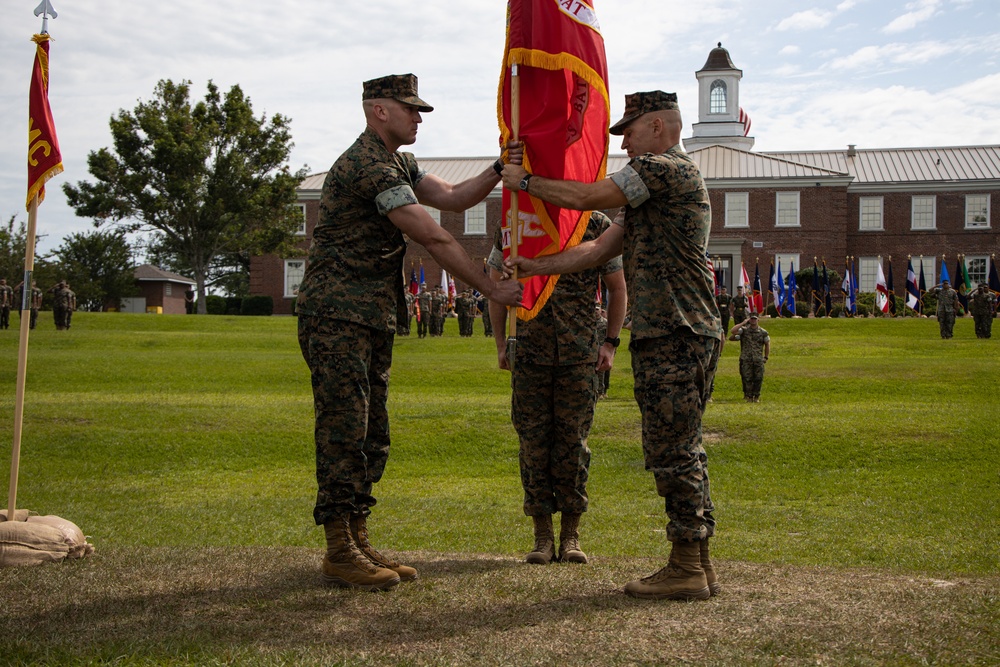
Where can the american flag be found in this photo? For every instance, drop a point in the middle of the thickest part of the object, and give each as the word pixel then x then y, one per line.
pixel 745 119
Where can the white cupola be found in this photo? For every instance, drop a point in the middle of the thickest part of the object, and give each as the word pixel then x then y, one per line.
pixel 720 121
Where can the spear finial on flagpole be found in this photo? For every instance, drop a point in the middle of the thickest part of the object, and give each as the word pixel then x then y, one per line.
pixel 45 10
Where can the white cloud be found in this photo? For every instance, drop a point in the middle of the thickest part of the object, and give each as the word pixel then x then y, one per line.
pixel 807 20
pixel 920 11
pixel 789 50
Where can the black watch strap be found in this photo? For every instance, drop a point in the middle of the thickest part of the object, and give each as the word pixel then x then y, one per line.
pixel 615 342
pixel 523 185
pixel 498 167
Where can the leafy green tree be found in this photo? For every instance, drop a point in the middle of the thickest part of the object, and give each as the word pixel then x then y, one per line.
pixel 13 241
pixel 99 268
pixel 209 182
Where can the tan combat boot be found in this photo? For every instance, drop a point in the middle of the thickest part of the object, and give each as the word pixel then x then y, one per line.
pixel 359 531
pixel 344 564
pixel 682 579
pixel 545 548
pixel 714 587
pixel 569 540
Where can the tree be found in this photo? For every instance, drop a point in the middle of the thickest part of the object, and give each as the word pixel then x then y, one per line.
pixel 99 268
pixel 13 241
pixel 209 181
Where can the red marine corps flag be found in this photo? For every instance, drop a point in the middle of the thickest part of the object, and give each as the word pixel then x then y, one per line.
pixel 556 102
pixel 44 158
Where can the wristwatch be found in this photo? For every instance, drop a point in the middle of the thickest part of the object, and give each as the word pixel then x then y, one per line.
pixel 523 185
pixel 498 167
pixel 614 342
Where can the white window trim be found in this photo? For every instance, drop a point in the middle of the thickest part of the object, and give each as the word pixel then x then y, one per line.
pixel 288 294
pixel 986 273
pixel 777 209
pixel 913 213
pixel 434 213
pixel 985 225
pixel 861 215
pixel 867 280
pixel 711 97
pixel 475 210
pixel 301 231
pixel 746 209
pixel 930 265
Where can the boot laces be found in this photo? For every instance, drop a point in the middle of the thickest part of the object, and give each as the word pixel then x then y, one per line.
pixel 373 554
pixel 665 572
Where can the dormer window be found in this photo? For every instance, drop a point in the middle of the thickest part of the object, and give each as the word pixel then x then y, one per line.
pixel 717 97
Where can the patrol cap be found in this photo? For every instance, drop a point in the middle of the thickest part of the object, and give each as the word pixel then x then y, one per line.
pixel 638 104
pixel 400 87
pixel 754 316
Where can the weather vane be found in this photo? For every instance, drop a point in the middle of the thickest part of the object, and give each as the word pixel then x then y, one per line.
pixel 45 10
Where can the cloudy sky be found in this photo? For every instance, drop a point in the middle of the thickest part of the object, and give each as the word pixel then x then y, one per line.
pixel 816 75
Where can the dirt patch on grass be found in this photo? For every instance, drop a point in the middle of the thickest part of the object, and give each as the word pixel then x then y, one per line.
pixel 266 606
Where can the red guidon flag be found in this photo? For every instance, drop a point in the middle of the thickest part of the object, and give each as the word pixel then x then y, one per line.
pixel 44 158
pixel 564 118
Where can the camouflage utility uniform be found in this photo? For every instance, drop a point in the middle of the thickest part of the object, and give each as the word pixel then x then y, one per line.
pixel 438 304
pixel 752 341
pixel 554 383
pixel 603 377
pixel 676 335
pixel 722 300
pixel 423 312
pixel 740 304
pixel 348 308
pixel 6 302
pixel 981 304
pixel 484 307
pixel 947 306
pixel 403 325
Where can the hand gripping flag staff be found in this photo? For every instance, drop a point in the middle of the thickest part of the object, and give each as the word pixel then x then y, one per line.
pixel 553 97
pixel 27 539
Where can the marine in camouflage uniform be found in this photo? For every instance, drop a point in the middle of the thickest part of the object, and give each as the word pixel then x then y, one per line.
pixel 484 308
pixel 60 304
pixel 403 325
pixel 463 308
pixel 424 312
pixel 603 377
pixel 738 306
pixel 676 335
pixel 722 301
pixel 947 306
pixel 438 304
pixel 349 301
pixel 755 348
pixel 553 382
pixel 981 303
pixel 6 302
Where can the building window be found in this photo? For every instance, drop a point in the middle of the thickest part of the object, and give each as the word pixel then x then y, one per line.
pixel 871 214
pixel 785 260
pixel 978 268
pixel 301 231
pixel 977 211
pixel 924 212
pixel 168 290
pixel 737 205
pixel 787 209
pixel 434 213
pixel 929 266
pixel 295 269
pixel 867 273
pixel 717 97
pixel 475 220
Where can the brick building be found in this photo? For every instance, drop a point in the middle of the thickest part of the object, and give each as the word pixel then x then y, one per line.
pixel 933 204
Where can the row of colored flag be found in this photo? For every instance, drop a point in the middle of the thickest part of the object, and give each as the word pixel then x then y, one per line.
pixel 782 288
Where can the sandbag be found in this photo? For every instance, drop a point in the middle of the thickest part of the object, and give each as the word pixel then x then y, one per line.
pixel 33 540
pixel 75 539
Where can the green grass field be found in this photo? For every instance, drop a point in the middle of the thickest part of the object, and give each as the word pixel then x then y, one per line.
pixel 874 449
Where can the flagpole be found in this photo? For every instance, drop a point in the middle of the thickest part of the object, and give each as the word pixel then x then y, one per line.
pixel 22 356
pixel 515 212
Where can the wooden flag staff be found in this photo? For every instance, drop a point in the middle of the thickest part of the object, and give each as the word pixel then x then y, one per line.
pixel 515 212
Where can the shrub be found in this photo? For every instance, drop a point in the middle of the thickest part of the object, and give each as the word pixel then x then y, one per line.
pixel 215 305
pixel 233 305
pixel 257 305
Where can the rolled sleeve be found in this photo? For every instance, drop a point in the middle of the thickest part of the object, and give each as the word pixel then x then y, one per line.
pixel 393 198
pixel 631 185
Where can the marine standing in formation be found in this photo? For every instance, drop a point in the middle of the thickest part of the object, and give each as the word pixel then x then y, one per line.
pixel 553 389
pixel 662 234
pixel 738 305
pixel 438 304
pixel 348 304
pixel 981 305
pixel 423 311
pixel 723 300
pixel 6 303
pixel 755 348
pixel 947 307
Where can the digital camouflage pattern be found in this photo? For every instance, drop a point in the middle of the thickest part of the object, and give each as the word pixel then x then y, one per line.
pixel 487 324
pixel 638 104
pixel 554 386
pixel 673 379
pixel 6 303
pixel 667 223
pixel 355 267
pixel 722 301
pixel 349 367
pixel 947 306
pixel 438 304
pixel 564 333
pixel 401 87
pixel 752 359
pixel 403 325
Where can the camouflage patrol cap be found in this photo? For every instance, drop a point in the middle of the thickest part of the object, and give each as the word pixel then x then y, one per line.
pixel 754 316
pixel 400 87
pixel 638 104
